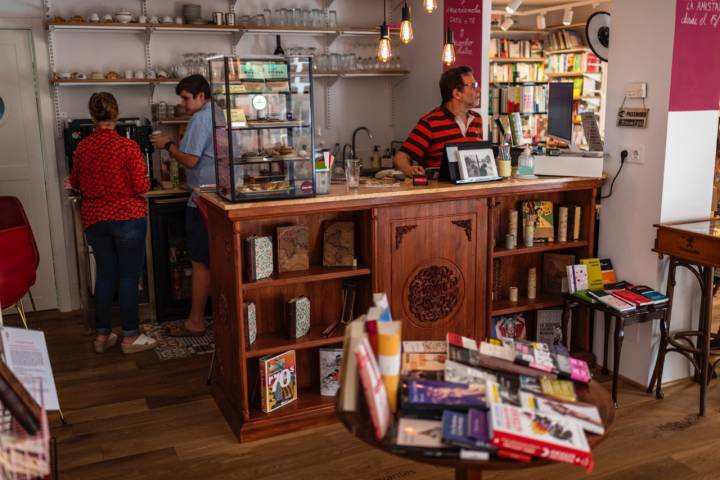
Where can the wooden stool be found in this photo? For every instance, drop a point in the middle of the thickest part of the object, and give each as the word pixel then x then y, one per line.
pixel 622 319
pixel 698 353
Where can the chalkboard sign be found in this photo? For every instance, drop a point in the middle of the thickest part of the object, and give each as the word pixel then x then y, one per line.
pixel 465 19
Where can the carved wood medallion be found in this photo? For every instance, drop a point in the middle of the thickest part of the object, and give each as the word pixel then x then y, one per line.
pixel 434 291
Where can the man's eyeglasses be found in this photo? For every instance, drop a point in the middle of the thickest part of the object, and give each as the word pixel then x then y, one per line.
pixel 473 85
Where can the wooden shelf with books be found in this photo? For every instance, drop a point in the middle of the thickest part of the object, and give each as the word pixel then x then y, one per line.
pixel 517 60
pixel 315 274
pixel 528 82
pixel 572 74
pixel 270 343
pixel 506 307
pixel 309 401
pixel 568 50
pixel 547 247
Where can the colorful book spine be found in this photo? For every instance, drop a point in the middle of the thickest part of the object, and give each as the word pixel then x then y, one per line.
pixel 594 274
pixel 611 301
pixel 389 358
pixel 374 388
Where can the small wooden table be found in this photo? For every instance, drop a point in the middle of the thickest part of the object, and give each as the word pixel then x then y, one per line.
pixel 695 246
pixel 360 425
pixel 622 319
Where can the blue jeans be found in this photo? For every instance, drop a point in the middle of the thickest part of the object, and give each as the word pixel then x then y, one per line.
pixel 119 248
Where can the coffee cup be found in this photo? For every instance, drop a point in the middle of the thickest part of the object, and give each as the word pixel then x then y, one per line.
pixel 179 20
pixel 93 17
pixel 142 19
pixel 153 19
pixel 139 74
pixel 128 74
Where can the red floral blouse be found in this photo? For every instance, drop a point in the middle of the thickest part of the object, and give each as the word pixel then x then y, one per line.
pixel 110 173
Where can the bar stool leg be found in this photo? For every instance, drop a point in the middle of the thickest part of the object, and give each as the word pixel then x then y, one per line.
pixel 619 336
pixel 665 323
pixel 608 319
pixel 705 318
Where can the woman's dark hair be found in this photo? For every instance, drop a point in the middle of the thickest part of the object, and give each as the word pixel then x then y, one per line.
pixel 103 107
pixel 452 79
pixel 194 84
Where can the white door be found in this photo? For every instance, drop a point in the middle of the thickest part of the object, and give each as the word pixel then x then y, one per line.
pixel 21 163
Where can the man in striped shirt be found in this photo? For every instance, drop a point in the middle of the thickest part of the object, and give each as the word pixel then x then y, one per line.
pixel 453 121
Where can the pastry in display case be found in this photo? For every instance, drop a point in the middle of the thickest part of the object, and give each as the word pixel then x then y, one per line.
pixel 263 127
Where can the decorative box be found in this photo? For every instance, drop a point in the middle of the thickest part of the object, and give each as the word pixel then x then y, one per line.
pixel 258 258
pixel 297 317
pixel 293 245
pixel 250 323
pixel 339 244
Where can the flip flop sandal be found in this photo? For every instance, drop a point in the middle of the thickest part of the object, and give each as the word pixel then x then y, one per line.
pixel 180 330
pixel 141 344
pixel 104 345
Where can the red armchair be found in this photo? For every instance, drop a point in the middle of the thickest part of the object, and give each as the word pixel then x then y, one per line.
pixel 19 257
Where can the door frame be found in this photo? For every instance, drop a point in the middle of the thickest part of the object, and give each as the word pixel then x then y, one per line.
pixel 59 211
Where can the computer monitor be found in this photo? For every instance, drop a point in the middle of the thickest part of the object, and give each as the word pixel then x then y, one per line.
pixel 560 106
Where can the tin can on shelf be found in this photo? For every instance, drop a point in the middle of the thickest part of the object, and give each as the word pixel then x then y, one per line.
pixel 509 241
pixel 230 18
pixel 218 18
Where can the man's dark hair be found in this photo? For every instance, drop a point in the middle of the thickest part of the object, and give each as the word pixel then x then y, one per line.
pixel 452 79
pixel 194 84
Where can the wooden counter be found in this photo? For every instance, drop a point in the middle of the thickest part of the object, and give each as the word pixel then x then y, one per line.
pixel 432 249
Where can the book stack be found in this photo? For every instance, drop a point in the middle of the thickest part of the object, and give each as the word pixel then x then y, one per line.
pixel 522 99
pixel 573 63
pixel 517 72
pixel 506 48
pixel 564 39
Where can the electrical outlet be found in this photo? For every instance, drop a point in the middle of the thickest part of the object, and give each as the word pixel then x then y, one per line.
pixel 636 153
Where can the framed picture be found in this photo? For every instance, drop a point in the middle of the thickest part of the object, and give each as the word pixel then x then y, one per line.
pixel 477 164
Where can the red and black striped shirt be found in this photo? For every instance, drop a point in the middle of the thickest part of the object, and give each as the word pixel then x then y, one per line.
pixel 426 142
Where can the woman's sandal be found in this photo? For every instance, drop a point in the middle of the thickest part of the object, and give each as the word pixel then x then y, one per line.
pixel 102 346
pixel 141 344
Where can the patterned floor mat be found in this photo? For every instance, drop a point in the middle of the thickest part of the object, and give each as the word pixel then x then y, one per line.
pixel 170 348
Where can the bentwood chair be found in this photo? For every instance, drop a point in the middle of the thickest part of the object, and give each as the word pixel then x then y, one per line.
pixel 19 256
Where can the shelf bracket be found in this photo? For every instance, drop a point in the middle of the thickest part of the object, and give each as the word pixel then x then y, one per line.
pixel 148 37
pixel 143 7
pixel 235 40
pixel 331 37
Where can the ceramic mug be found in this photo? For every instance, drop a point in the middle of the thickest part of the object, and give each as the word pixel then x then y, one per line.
pixel 128 74
pixel 94 17
pixel 142 19
pixel 179 20
pixel 139 74
pixel 153 19
pixel 107 18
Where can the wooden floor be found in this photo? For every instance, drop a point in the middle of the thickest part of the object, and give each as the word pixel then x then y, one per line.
pixel 134 417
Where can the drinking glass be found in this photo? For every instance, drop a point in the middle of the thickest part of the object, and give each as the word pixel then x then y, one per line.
pixel 332 18
pixel 296 15
pixel 267 13
pixel 335 62
pixel 352 172
pixel 279 17
pixel 259 20
pixel 317 17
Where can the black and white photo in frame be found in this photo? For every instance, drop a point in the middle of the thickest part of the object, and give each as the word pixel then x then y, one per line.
pixel 478 163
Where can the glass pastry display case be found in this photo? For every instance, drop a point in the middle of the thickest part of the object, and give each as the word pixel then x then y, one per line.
pixel 263 127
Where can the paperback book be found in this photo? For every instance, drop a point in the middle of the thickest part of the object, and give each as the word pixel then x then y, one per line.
pixel 539 435
pixel 330 364
pixel 278 377
pixel 432 394
pixel 611 301
pixel 656 297
pixel 467 430
pixel 577 276
pixel 586 415
pixel 594 273
pixel 461 373
pixel 425 362
pixel 375 393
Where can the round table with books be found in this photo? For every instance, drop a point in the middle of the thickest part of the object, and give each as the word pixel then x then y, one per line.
pixel 359 424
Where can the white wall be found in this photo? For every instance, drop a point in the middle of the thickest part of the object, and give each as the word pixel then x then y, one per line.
pixel 674 182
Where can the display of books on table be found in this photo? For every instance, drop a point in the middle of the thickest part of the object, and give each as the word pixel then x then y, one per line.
pixel 511 399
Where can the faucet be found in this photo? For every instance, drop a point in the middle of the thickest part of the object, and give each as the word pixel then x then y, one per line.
pixel 370 136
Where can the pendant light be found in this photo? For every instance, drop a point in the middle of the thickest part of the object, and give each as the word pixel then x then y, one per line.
pixel 448 53
pixel 384 50
pixel 406 29
pixel 430 5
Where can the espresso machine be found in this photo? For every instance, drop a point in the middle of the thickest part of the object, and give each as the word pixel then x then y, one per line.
pixel 136 129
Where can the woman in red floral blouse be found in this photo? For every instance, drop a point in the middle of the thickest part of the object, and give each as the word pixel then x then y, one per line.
pixel 110 173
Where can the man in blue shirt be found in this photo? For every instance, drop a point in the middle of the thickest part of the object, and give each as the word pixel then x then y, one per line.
pixel 196 154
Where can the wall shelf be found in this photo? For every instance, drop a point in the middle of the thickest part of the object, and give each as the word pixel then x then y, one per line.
pixel 121 81
pixel 361 74
pixel 571 74
pixel 518 60
pixel 568 50
pixel 271 343
pixel 529 82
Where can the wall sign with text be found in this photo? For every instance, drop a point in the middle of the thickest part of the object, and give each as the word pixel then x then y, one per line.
pixel 464 17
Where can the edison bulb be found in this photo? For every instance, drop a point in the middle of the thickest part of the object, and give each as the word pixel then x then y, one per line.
pixel 448 54
pixel 406 32
pixel 384 51
pixel 430 5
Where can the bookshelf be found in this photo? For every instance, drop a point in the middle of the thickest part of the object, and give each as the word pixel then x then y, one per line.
pixel 509 267
pixel 564 57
